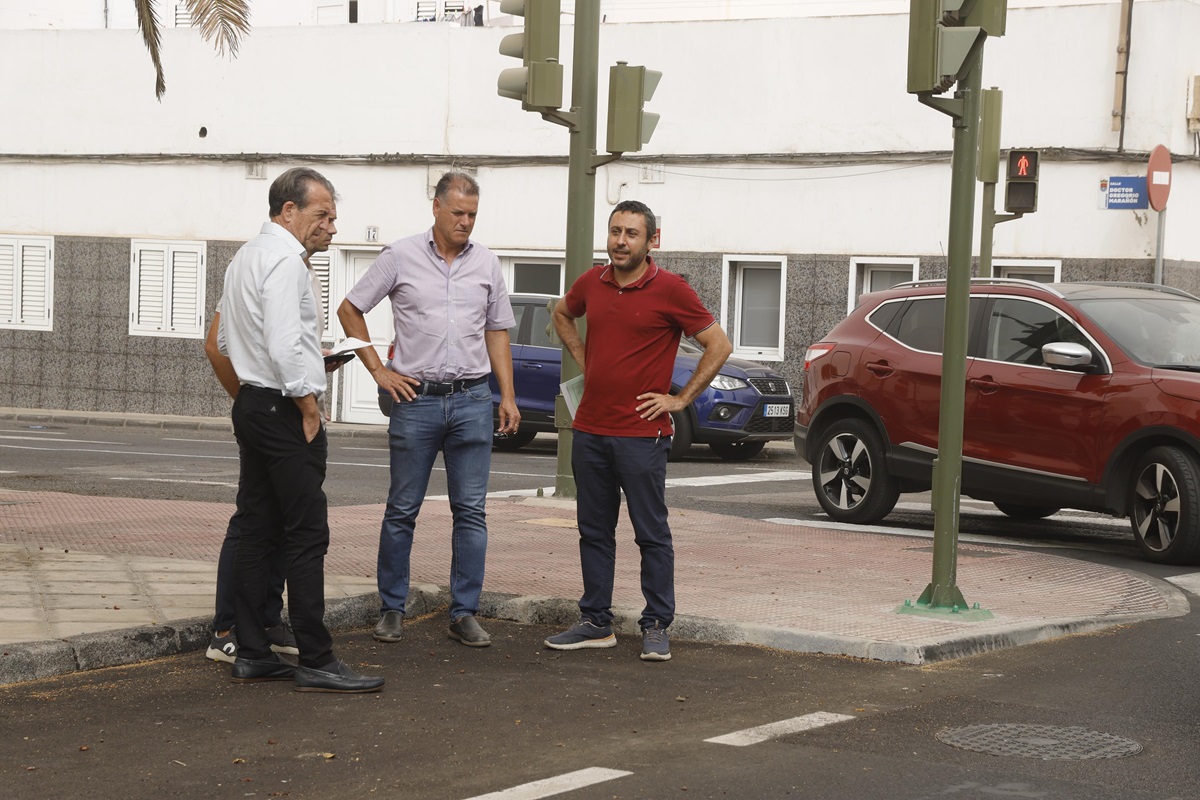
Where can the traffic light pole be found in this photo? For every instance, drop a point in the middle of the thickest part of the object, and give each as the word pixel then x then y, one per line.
pixel 943 593
pixel 581 204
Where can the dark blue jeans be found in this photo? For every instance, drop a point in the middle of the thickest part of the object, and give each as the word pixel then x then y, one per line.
pixel 281 503
pixel 605 466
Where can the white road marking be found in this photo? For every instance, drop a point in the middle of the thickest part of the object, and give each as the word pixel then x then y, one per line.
pixel 29 428
pixel 113 452
pixel 56 441
pixel 556 785
pixel 230 440
pixel 174 480
pixel 726 480
pixel 1189 582
pixel 970 538
pixel 775 729
pixel 986 509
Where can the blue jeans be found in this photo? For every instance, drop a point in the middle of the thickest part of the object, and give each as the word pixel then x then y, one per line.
pixel 605 466
pixel 460 426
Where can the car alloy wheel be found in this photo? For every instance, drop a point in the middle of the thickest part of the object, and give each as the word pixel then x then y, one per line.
pixel 1164 502
pixel 850 478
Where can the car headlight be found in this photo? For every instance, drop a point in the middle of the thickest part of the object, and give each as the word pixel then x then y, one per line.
pixel 728 383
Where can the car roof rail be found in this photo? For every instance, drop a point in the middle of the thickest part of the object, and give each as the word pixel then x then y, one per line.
pixel 1153 287
pixel 986 281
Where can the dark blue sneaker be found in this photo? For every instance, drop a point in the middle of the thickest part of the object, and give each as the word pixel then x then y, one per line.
pixel 582 635
pixel 656 645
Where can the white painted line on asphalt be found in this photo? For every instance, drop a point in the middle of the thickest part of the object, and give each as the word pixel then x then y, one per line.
pixel 112 452
pixel 56 441
pixel 985 509
pixel 29 428
pixel 174 480
pixel 1189 582
pixel 556 785
pixel 230 440
pixel 775 729
pixel 970 538
pixel 725 480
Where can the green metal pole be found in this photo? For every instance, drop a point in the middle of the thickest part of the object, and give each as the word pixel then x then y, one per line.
pixel 581 202
pixel 943 592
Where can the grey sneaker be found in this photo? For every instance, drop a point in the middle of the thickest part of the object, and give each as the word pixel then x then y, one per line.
pixel 466 630
pixel 222 648
pixel 584 634
pixel 656 645
pixel 282 639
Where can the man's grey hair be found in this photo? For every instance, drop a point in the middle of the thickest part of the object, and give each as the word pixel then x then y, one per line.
pixel 458 181
pixel 292 187
pixel 636 207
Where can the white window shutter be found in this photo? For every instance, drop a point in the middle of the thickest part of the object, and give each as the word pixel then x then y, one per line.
pixel 150 283
pixel 35 282
pixel 166 289
pixel 320 265
pixel 8 282
pixel 185 289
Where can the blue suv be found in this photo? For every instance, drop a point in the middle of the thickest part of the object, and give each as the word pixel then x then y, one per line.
pixel 743 408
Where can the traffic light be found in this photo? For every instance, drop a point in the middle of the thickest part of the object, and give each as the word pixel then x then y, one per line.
pixel 1020 193
pixel 538 84
pixel 629 127
pixel 944 38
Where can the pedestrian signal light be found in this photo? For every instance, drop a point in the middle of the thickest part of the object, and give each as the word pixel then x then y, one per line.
pixel 629 126
pixel 539 83
pixel 1020 193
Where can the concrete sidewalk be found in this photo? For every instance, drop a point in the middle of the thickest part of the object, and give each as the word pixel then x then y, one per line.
pixel 95 581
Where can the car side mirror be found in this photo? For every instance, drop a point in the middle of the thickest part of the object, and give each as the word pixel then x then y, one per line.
pixel 1068 355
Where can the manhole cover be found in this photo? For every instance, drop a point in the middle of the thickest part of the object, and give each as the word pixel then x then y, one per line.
pixel 1039 741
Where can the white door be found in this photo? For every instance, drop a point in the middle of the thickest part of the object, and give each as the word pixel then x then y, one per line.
pixel 360 401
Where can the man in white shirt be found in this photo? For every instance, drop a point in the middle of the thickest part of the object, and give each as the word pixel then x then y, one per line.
pixel 268 328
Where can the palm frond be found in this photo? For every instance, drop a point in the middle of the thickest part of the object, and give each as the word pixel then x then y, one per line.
pixel 221 22
pixel 151 28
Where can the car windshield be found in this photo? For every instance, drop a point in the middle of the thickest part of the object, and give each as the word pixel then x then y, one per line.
pixel 1159 331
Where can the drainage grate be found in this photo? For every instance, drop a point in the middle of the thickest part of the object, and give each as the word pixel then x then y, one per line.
pixel 1039 741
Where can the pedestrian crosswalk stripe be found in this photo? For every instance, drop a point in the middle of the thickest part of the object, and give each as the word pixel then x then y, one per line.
pixel 556 785
pixel 775 729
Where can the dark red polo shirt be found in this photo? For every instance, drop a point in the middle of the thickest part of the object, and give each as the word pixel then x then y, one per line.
pixel 632 337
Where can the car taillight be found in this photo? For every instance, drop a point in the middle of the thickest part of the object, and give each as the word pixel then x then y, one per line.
pixel 816 351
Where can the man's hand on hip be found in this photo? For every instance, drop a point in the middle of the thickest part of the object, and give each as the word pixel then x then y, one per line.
pixel 655 405
pixel 400 387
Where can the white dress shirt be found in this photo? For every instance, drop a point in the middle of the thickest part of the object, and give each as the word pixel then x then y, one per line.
pixel 269 316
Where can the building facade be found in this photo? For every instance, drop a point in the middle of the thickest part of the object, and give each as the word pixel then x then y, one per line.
pixel 790 172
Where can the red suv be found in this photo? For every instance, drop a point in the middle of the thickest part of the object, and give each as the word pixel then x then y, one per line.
pixel 1078 395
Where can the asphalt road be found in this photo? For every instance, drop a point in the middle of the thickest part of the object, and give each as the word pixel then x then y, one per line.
pixel 456 722
pixel 461 723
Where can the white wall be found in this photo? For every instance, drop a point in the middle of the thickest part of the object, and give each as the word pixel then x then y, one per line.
pixel 802 85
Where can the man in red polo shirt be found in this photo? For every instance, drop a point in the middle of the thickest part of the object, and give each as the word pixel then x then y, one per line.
pixel 636 314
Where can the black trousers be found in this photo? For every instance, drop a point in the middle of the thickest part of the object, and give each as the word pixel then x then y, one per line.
pixel 280 504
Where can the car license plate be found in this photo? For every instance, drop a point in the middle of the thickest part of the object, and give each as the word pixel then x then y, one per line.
pixel 777 410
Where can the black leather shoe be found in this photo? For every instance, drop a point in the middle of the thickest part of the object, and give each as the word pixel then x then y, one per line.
pixel 250 670
pixel 467 630
pixel 390 627
pixel 337 678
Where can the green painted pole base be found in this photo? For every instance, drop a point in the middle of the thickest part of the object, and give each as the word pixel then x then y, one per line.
pixel 956 607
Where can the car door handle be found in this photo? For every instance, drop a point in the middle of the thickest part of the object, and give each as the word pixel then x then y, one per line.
pixel 984 385
pixel 531 365
pixel 880 368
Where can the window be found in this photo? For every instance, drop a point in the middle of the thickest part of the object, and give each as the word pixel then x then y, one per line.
pixel 183 15
pixel 1025 269
pixel 754 288
pixel 539 277
pixel 1017 330
pixel 923 324
pixel 877 273
pixel 166 289
pixel 27 282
